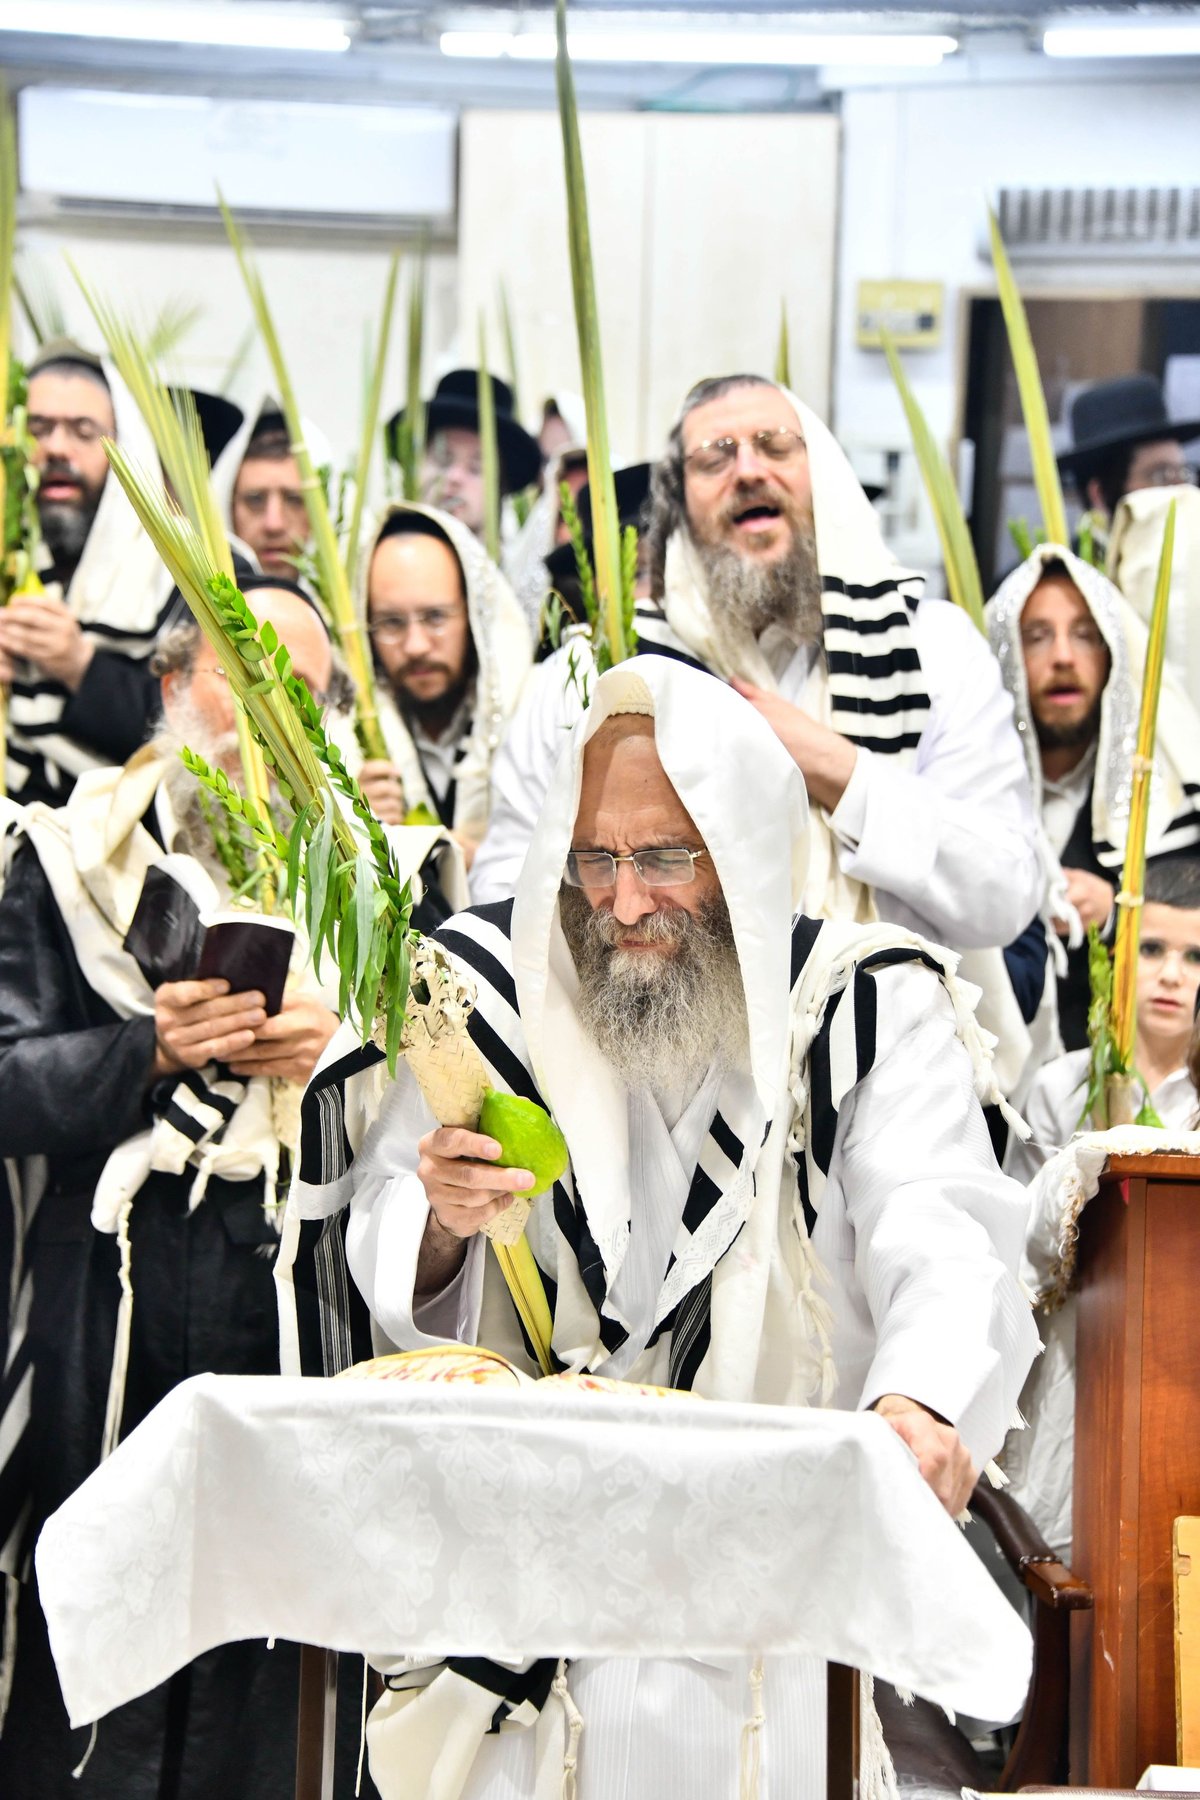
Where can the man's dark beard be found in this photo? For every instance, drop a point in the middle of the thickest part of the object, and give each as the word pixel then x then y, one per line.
pixel 661 1019
pixel 1051 736
pixel 748 595
pixel 66 523
pixel 431 716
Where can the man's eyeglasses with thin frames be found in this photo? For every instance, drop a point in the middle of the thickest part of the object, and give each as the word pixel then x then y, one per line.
pixel 674 866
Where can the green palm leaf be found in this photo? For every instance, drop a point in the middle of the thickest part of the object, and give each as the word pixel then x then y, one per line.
pixel 333 577
pixel 1033 399
pixel 613 644
pixel 958 552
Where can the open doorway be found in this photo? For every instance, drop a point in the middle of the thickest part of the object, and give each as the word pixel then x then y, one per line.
pixel 1079 338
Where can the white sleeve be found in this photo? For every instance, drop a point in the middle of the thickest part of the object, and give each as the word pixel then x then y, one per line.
pixel 388 1212
pixel 938 1230
pixel 521 771
pixel 1051 1112
pixel 948 845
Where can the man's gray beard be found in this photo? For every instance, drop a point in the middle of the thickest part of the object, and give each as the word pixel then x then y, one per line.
pixel 65 527
pixel 661 1019
pixel 745 595
pixel 184 791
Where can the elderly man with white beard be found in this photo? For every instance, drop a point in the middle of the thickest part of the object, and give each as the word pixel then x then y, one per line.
pixel 780 1190
pixel 768 569
pixel 145 1126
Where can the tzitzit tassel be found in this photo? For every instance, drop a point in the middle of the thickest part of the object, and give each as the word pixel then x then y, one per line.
pixel 876 1770
pixel 562 1693
pixel 751 1758
pixel 120 1363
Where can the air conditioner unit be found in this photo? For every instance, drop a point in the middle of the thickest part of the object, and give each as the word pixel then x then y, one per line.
pixel 97 151
pixel 1061 223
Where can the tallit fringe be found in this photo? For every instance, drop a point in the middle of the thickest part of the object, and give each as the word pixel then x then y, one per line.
pixel 876 1770
pixel 574 1719
pixel 8 1657
pixel 751 1759
pixel 86 1758
pixel 362 1731
pixel 120 1362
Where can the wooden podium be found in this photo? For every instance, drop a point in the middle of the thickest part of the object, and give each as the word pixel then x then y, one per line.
pixel 1137 1457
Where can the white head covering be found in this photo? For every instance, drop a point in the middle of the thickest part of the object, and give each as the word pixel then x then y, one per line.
pixel 850 551
pixel 759 855
pixel 1134 548
pixel 227 467
pixel 1177 749
pixel 504 654
pixel 118 592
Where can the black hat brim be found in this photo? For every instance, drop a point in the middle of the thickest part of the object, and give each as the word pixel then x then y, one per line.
pixel 1182 430
pixel 520 454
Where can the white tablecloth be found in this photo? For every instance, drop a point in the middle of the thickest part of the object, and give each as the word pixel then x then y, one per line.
pixel 392 1519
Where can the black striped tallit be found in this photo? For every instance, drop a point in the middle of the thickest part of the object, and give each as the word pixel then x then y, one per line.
pixel 333 1327
pixel 877 693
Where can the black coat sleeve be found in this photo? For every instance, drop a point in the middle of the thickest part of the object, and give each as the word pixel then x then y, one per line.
pixel 115 707
pixel 72 1075
pixel 1025 959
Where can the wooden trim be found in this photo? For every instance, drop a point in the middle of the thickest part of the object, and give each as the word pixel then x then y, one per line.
pixel 1170 1162
pixel 316 1723
pixel 842 1727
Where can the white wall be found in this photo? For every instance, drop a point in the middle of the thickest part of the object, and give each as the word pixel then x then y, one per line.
pixel 325 295
pixel 919 164
pixel 701 226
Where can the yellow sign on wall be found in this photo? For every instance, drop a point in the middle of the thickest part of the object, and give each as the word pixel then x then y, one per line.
pixel 910 310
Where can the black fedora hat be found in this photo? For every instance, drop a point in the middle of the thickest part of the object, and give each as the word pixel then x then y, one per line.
pixel 455 402
pixel 1111 414
pixel 633 489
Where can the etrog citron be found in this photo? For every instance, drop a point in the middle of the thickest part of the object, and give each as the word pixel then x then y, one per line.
pixel 527 1136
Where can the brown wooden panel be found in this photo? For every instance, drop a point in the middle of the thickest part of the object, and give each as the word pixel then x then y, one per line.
pixel 1187 1642
pixel 1170 1446
pixel 1107 1424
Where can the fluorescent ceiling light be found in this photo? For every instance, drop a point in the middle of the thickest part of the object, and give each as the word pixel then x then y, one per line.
pixel 1164 37
pixel 751 46
pixel 238 25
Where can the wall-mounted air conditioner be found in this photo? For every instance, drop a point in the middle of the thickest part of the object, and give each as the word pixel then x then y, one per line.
pixel 84 150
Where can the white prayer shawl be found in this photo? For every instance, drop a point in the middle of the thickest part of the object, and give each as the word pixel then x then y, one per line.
pixel 868 687
pixel 524 560
pixel 742 1312
pixel 227 467
pixel 504 654
pixel 1134 551
pixel 119 594
pixel 95 853
pixel 1174 813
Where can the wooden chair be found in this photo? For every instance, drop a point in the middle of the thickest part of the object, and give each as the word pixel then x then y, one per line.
pixel 927 1749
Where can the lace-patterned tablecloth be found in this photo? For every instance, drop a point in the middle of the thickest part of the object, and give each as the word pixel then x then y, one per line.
pixel 414 1521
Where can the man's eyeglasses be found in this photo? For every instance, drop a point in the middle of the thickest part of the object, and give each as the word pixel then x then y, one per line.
pixel 1168 475
pixel 393 628
pixel 80 431
pixel 718 454
pixel 256 501
pixel 1083 636
pixel 673 867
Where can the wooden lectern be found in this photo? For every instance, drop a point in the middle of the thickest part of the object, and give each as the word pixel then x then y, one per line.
pixel 1137 1457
